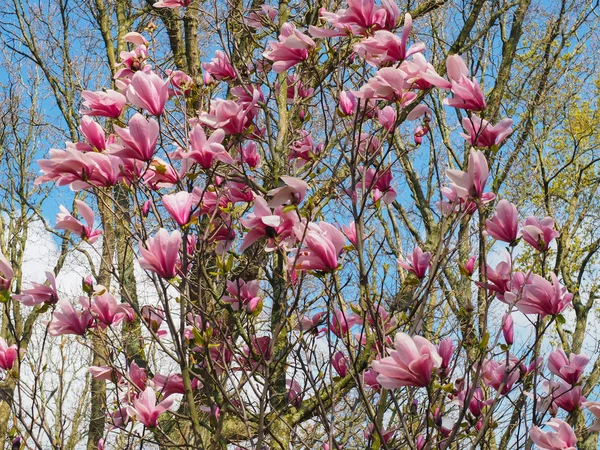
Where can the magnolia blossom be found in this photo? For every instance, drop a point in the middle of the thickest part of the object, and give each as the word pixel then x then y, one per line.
pixel 594 408
pixel 243 294
pixel 347 103
pixel 360 17
pixel 385 47
pixel 562 438
pixel 504 226
pixel 410 364
pixel 500 375
pixel 472 182
pixel 388 83
pixel 258 19
pixel 66 320
pixel 179 206
pixel 107 311
pixel 339 363
pixel 145 408
pixel 569 369
pixel 293 193
pixel 161 254
pixel 508 329
pixel 94 135
pixel 417 263
pixel 539 233
pixel 220 67
pixel 8 355
pixel 148 91
pixel 139 139
pixel 232 117
pixel 65 221
pixel 542 297
pixel 323 244
pixel 6 273
pixel 566 397
pixel 467 93
pixel 277 226
pixel 39 293
pixel 172 3
pixel 482 134
pixel 105 104
pixel 293 47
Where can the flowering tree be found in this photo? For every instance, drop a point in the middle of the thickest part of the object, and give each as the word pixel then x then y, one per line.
pixel 308 289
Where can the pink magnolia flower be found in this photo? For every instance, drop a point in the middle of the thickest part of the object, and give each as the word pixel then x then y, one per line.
pixel 594 408
pixel 569 369
pixel 162 254
pixel 410 364
pixel 105 104
pixel 467 93
pixel 422 75
pixel 504 226
pixel 243 294
pixel 39 293
pixel 418 262
pixel 249 155
pixel 469 267
pixel 386 435
pixel 388 83
pixel 161 174
pixel 293 47
pixel 6 273
pixel 323 244
pixel 472 182
pixel 204 151
pixel 277 226
pixel 146 410
pixel 153 317
pixel 139 139
pixel 107 311
pixel 220 67
pixel 562 438
pixel 477 402
pixel 8 355
pixel 105 373
pixel 232 117
pixel 179 206
pixel 539 233
pixel 172 3
pixel 294 393
pixel 347 103
pixel 369 378
pixel 564 396
pixel 65 221
pixel 385 47
pixel 500 375
pixel 306 323
pixel 350 232
pixel 338 361
pixel 387 118
pixel 508 329
pixel 258 19
pixel 148 91
pixel 293 193
pixel 544 298
pixel 94 134
pixel 172 384
pixel 341 323
pixel 80 170
pixel 482 134
pixel 446 350
pixel 380 183
pixel 360 17
pixel 304 149
pixel 181 81
pixel 66 320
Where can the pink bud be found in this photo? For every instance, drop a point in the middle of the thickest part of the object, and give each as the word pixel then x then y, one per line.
pixel 347 103
pixel 508 329
pixel 387 118
pixel 446 348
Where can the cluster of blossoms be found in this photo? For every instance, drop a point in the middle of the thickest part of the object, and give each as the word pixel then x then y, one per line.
pixel 207 177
